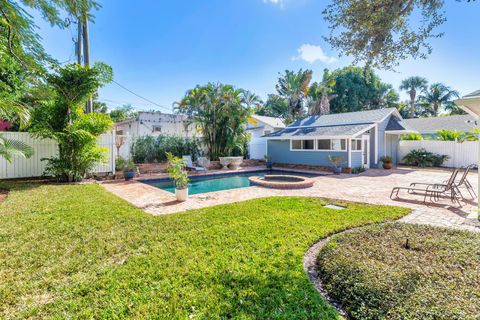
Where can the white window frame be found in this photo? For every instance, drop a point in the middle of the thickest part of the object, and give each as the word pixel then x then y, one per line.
pixel 291 145
pixel 354 143
pixel 315 145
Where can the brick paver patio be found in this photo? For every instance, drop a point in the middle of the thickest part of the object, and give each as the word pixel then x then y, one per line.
pixel 373 187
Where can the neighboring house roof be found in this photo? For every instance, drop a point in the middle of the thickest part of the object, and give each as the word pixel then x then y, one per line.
pixel 328 131
pixel 349 124
pixel 473 94
pixel 276 123
pixel 369 116
pixel 461 123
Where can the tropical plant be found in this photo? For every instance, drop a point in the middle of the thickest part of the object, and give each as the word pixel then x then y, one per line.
pixel 64 121
pixel 413 85
pixel 359 169
pixel 382 33
pixel 320 94
pixel 335 160
pixel 293 87
pixel 221 113
pixel 449 135
pixel 470 136
pixel 386 159
pixel 126 165
pixel 423 158
pixel 10 148
pixel 176 171
pixel 437 96
pixel 150 149
pixel 275 106
pixel 412 136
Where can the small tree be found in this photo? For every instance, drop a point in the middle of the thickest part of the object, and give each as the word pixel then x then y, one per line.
pixel 64 121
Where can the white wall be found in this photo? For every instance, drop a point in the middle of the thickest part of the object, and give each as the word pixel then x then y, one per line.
pixel 257 147
pixel 460 154
pixel 43 148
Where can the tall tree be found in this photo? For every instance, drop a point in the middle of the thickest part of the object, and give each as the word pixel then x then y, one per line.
pixel 221 114
pixel 384 32
pixel 275 106
pixel 356 89
pixel 437 96
pixel 320 94
pixel 413 85
pixel 293 87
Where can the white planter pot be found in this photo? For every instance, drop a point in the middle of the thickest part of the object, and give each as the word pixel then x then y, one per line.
pixel 182 194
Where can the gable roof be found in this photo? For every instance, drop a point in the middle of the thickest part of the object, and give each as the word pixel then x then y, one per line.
pixel 462 123
pixel 357 117
pixel 274 122
pixel 351 130
pixel 396 124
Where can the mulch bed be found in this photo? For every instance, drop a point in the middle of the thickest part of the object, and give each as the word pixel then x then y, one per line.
pixel 3 195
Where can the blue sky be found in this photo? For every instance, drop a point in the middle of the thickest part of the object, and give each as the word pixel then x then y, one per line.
pixel 160 49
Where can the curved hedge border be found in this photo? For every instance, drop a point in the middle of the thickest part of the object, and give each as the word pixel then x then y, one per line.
pixel 374 274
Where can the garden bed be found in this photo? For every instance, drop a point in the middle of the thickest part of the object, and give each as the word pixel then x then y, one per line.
pixel 374 274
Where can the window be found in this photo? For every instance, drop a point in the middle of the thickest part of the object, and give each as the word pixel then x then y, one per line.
pixel 332 144
pixel 303 144
pixel 157 129
pixel 119 133
pixel 356 144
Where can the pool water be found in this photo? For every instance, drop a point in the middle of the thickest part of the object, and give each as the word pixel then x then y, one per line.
pixel 211 183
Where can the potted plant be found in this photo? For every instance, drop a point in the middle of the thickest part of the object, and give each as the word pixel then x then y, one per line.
pixel 387 162
pixel 176 171
pixel 336 162
pixel 268 162
pixel 127 166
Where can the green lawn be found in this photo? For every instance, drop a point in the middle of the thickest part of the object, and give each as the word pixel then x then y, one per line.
pixel 76 251
pixel 375 276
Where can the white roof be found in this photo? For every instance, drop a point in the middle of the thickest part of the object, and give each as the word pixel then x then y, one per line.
pixel 271 121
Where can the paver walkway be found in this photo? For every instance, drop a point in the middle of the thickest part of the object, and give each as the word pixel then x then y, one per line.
pixel 372 187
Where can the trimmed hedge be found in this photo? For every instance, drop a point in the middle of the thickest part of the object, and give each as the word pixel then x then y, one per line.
pixel 373 274
pixel 154 149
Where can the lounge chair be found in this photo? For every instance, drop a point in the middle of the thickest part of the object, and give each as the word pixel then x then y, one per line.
pixel 434 190
pixel 190 166
pixel 463 182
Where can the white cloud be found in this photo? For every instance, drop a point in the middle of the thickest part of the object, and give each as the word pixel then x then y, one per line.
pixel 311 53
pixel 277 2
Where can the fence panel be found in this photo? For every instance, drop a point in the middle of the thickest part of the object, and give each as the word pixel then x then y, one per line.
pixel 459 154
pixel 45 148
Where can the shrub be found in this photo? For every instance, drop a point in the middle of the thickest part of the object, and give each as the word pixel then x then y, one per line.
pixel 154 149
pixel 449 135
pixel 126 165
pixel 176 171
pixel 422 158
pixel 412 136
pixel 386 159
pixel 374 274
pixel 358 170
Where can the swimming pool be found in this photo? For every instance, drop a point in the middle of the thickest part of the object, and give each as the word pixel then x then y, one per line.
pixel 218 182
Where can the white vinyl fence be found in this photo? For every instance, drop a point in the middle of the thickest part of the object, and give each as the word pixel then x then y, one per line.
pixel 459 154
pixel 44 148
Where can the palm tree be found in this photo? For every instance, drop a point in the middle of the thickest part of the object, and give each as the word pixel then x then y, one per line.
pixel 9 110
pixel 320 94
pixel 412 85
pixel 293 86
pixel 437 96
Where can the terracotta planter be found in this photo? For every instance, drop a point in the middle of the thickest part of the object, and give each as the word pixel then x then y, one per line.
pixel 387 165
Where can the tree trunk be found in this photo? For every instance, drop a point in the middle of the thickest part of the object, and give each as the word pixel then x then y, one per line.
pixel 79 44
pixel 86 55
pixel 413 93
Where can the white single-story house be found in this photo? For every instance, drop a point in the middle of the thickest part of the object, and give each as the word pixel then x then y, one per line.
pixel 154 124
pixel 257 127
pixel 360 138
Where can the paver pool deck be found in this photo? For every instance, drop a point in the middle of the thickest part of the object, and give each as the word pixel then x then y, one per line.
pixel 373 187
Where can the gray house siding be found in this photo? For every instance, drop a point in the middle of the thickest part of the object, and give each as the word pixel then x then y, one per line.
pixel 356 159
pixel 381 141
pixel 280 152
pixel 391 145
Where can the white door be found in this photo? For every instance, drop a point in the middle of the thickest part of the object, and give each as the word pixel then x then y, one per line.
pixel 366 152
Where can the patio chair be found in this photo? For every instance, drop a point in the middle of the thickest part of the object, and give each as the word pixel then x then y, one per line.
pixel 433 190
pixel 463 182
pixel 190 166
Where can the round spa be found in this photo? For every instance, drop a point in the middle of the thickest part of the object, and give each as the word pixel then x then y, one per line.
pixel 281 182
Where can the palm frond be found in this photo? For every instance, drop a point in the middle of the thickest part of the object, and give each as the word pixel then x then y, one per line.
pixel 11 147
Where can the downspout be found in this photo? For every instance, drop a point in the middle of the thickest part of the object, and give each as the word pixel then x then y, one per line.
pixel 349 147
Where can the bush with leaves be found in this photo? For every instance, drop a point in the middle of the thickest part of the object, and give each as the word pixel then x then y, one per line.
pixel 149 149
pixel 64 121
pixel 412 136
pixel 422 158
